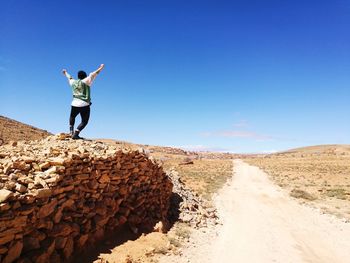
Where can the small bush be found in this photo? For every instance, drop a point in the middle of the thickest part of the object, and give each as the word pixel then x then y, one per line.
pixel 297 193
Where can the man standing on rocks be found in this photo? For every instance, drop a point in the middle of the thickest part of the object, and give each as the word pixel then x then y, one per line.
pixel 81 99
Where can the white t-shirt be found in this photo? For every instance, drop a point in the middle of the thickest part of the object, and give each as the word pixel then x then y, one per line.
pixel 88 81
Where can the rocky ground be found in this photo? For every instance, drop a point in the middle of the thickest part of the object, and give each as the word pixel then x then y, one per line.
pixel 33 167
pixel 11 130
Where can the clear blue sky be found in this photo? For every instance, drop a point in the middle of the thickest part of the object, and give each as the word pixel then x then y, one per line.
pixel 241 76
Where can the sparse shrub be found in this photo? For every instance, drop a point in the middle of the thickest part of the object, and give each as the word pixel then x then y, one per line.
pixel 174 242
pixel 183 231
pixel 337 193
pixel 297 193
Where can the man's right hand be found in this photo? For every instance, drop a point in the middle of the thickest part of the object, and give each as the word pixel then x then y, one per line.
pixel 64 71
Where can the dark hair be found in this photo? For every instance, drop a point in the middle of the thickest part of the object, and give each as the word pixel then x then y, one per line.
pixel 82 74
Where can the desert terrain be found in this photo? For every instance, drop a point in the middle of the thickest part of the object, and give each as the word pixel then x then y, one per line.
pixel 12 130
pixel 292 206
pixel 261 222
pixel 317 175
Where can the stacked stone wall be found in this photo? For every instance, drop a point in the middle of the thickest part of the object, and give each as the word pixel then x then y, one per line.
pixel 59 196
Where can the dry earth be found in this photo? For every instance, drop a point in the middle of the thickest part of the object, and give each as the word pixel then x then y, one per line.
pixel 262 223
pixel 318 175
pixel 11 130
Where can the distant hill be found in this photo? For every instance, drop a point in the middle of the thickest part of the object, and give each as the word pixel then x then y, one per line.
pixel 11 130
pixel 329 149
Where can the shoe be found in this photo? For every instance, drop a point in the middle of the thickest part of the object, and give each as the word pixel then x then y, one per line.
pixel 76 136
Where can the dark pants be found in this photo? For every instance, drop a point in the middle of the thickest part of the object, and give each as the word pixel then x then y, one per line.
pixel 84 113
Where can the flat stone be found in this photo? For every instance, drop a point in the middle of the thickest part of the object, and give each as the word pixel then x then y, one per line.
pixel 20 188
pixel 68 249
pixel 6 239
pixel 82 240
pixel 104 179
pixel 56 161
pixel 14 252
pixel 42 193
pixel 4 207
pixel 62 229
pixel 47 209
pixel 4 195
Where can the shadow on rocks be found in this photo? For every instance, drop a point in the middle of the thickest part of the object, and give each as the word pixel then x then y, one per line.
pixel 111 240
pixel 174 211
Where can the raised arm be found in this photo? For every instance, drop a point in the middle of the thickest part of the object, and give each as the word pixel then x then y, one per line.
pixel 68 76
pixel 99 69
pixel 89 79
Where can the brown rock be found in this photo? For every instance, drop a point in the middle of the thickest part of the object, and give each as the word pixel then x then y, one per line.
pixel 42 258
pixel 39 235
pixel 42 193
pixel 61 229
pixel 101 210
pixel 67 204
pixel 47 209
pixel 20 188
pixel 46 224
pixel 100 220
pixel 3 250
pixel 7 238
pixel 60 242
pixel 4 207
pixel 14 252
pixel 25 210
pixel 4 195
pixel 57 217
pixel 48 248
pixel 56 161
pixel 21 165
pixel 44 165
pixel 82 240
pixel 104 179
pixel 36 167
pixel 63 189
pixel 26 199
pixel 68 249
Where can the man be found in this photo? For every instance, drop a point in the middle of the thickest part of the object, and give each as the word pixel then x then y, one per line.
pixel 81 99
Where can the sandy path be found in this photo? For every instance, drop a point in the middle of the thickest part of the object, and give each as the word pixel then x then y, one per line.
pixel 262 223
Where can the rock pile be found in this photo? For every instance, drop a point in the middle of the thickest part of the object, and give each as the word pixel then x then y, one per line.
pixel 188 206
pixel 58 195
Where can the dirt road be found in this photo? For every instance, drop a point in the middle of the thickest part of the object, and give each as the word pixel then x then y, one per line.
pixel 262 223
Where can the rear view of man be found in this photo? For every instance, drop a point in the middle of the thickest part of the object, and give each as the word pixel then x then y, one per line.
pixel 81 99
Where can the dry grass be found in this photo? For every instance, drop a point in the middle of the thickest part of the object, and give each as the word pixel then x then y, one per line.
pixel 205 176
pixel 297 193
pixel 322 179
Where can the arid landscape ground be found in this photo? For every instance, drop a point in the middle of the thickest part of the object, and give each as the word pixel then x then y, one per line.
pixel 297 210
pixel 318 175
